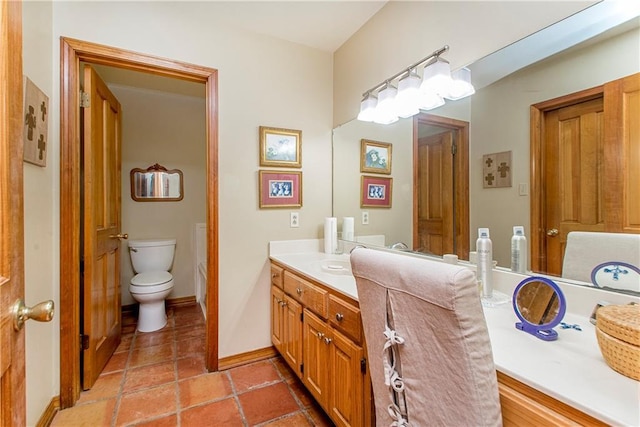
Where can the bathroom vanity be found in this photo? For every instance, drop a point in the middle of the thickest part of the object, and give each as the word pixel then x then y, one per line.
pixel 316 327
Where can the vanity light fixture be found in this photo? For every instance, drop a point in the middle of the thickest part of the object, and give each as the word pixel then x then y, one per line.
pixel 384 103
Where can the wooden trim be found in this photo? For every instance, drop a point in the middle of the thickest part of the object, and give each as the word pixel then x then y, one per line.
pixel 246 358
pixel 72 52
pixel 49 412
pixel 180 302
pixel 515 395
pixel 461 207
pixel 538 192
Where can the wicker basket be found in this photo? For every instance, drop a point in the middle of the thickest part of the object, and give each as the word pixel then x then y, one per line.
pixel 618 333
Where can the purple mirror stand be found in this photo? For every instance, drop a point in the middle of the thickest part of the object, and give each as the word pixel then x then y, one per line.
pixel 542 331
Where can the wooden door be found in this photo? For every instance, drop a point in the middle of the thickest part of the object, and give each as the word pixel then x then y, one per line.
pixel 347 382
pixel 585 153
pixel 292 334
pixel 574 175
pixel 277 317
pixel 435 194
pixel 316 359
pixel 101 216
pixel 12 358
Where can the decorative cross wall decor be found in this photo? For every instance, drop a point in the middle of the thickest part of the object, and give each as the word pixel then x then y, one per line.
pixel 496 170
pixel 36 123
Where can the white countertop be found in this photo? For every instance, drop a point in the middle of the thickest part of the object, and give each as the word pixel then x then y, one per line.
pixel 570 369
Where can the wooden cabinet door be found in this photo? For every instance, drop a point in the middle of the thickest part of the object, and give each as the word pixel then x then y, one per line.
pixel 292 334
pixel 316 357
pixel 347 382
pixel 277 317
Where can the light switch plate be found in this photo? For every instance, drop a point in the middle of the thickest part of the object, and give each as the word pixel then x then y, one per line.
pixel 294 220
pixel 365 218
pixel 523 189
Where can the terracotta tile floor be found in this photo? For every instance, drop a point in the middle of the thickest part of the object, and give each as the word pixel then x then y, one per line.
pixel 158 379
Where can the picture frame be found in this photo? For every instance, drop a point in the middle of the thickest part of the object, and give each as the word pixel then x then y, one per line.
pixel 280 147
pixel 375 191
pixel 36 124
pixel 279 189
pixel 375 157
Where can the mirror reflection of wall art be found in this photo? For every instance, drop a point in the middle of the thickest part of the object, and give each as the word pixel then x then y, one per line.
pixel 375 157
pixel 36 122
pixel 496 170
pixel 156 184
pixel 375 192
pixel 280 189
pixel 280 147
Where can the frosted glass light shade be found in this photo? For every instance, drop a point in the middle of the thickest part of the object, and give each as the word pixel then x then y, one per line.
pixel 461 84
pixel 429 100
pixel 437 78
pixel 368 108
pixel 385 110
pixel 408 97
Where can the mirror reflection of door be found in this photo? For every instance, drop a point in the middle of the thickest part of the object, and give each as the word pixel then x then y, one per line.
pixel 585 167
pixel 441 197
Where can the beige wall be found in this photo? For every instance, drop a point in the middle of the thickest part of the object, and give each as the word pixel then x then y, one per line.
pixel 500 122
pixel 403 32
pixel 41 222
pixel 170 130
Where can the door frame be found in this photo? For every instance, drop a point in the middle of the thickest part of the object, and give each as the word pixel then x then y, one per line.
pixel 537 177
pixel 461 185
pixel 72 52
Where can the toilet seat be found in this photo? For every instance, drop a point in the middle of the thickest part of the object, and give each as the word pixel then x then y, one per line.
pixel 151 282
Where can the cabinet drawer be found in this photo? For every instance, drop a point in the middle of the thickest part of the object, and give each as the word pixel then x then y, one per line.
pixel 345 317
pixel 276 275
pixel 306 293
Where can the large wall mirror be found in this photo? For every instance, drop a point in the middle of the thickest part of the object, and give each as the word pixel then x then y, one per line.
pixel 603 47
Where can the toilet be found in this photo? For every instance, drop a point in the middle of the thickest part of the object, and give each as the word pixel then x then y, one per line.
pixel 151 259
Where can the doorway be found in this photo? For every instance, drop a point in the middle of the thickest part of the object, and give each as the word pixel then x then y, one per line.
pixel 72 53
pixel 584 167
pixel 440 185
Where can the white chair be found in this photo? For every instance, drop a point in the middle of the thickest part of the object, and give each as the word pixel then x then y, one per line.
pixel 586 250
pixel 427 342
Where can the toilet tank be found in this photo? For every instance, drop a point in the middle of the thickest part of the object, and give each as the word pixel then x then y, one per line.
pixel 152 254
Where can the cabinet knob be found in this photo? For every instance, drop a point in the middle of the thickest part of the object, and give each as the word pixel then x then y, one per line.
pixel 339 317
pixel 553 232
pixel 283 303
pixel 327 340
pixel 299 291
pixel 320 334
pixel 274 275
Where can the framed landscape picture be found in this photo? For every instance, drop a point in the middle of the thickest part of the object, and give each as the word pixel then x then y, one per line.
pixel 375 192
pixel 280 189
pixel 280 147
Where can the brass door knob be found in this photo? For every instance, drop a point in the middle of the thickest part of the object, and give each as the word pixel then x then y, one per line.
pixel 42 312
pixel 124 236
pixel 552 232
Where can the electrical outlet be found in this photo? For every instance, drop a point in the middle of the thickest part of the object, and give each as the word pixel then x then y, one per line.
pixel 365 218
pixel 294 220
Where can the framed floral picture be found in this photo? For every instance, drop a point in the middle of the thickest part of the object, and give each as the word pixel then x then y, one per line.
pixel 279 189
pixel 375 157
pixel 375 192
pixel 280 147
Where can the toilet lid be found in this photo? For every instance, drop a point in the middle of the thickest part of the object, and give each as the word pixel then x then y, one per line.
pixel 151 278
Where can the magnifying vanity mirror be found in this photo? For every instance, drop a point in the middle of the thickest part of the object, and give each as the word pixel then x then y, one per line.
pixel 540 305
pixel 156 184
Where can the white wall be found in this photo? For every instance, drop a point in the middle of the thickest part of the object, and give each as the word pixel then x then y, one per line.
pixel 41 222
pixel 170 130
pixel 402 33
pixel 500 122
